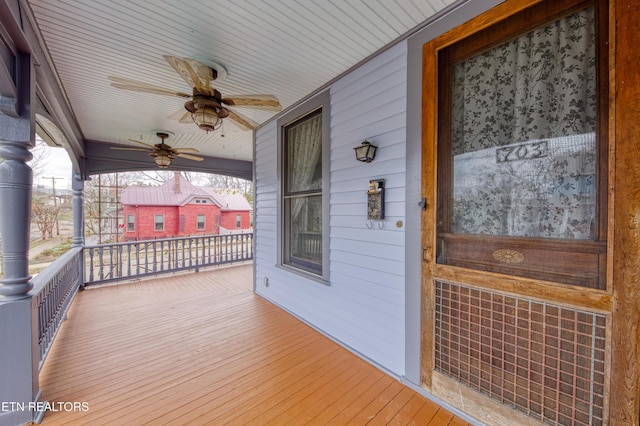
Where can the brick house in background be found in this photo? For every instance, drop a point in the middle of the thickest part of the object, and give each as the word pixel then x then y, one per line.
pixel 177 208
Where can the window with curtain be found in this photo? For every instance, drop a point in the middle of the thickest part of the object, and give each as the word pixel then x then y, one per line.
pixel 519 154
pixel 302 193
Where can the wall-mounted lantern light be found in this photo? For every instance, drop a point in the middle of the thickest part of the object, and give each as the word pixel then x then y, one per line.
pixel 366 152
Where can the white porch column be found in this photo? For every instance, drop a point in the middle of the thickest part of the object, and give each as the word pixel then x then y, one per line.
pixel 77 203
pixel 18 321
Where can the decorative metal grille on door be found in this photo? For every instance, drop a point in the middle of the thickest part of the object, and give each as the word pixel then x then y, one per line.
pixel 545 360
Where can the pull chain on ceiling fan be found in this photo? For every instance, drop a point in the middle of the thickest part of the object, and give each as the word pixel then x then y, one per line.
pixel 205 106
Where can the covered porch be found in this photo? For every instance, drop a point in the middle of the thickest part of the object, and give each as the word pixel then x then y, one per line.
pixel 203 348
pixel 104 81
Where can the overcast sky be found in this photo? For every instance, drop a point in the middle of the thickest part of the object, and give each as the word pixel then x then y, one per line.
pixel 58 166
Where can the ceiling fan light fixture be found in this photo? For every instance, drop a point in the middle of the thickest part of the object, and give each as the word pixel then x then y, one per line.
pixel 207 119
pixel 162 160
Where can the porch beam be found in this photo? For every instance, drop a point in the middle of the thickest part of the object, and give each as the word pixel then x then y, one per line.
pixel 101 158
pixel 19 27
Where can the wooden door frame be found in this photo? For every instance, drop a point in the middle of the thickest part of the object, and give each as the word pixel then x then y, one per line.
pixel 621 301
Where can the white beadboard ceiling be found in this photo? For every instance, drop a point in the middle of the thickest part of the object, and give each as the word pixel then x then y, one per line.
pixel 288 48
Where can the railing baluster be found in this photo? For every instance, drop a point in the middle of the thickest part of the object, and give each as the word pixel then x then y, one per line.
pixel 110 266
pixel 91 250
pixel 52 293
pixel 207 251
pixel 100 257
pixel 244 253
pixel 119 255
pixel 223 249
pixel 171 254
pixel 155 260
pixel 128 259
pixel 146 253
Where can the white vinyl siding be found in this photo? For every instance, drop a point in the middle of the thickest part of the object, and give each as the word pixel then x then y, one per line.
pixel 363 304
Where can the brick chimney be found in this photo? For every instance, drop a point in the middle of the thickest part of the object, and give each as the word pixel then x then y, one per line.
pixel 176 180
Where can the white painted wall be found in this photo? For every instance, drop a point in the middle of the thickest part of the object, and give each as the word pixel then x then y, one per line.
pixel 363 305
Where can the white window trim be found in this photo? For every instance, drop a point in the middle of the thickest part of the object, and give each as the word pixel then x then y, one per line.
pixel 322 100
pixel 155 223
pixel 204 222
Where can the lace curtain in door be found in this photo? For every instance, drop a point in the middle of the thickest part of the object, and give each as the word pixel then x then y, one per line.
pixel 523 135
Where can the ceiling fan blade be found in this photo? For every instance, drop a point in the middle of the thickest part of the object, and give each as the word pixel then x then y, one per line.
pixel 130 149
pixel 182 116
pixel 244 122
pixel 206 74
pixel 143 143
pixel 264 102
pixel 189 157
pixel 181 150
pixel 149 90
pixel 139 86
pixel 183 67
pixel 178 65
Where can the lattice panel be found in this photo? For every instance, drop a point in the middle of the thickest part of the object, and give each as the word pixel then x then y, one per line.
pixel 545 360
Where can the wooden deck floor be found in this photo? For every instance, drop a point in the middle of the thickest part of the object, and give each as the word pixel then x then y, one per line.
pixel 202 348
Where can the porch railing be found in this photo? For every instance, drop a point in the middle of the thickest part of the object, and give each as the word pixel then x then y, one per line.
pixel 52 294
pixel 136 259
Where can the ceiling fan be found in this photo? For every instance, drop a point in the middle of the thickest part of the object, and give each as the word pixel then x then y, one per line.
pixel 163 153
pixel 205 106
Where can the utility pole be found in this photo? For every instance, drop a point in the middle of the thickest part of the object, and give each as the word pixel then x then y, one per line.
pixel 55 200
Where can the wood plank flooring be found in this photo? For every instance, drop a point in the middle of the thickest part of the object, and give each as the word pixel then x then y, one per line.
pixel 202 349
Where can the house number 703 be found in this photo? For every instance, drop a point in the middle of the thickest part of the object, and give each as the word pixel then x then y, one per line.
pixel 525 151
